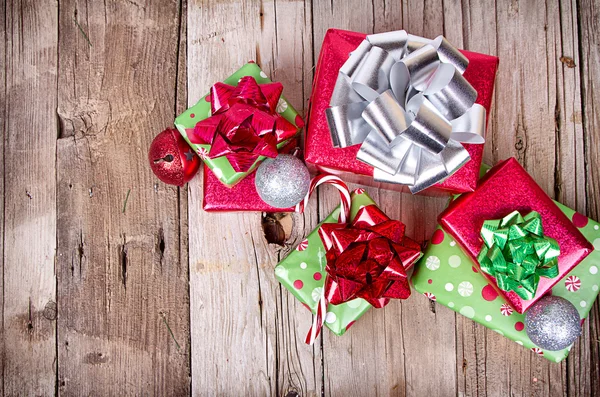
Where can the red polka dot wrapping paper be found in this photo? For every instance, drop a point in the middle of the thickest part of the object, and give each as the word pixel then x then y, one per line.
pixel 505 188
pixel 447 275
pixel 220 166
pixel 319 151
pixel 302 272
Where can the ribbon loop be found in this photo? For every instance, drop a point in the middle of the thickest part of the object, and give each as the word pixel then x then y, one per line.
pixel 517 253
pixel 244 123
pixel 366 258
pixel 406 88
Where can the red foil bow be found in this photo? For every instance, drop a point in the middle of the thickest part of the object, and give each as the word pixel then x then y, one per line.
pixel 368 258
pixel 244 124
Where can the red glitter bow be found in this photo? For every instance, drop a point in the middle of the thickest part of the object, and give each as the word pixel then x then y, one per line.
pixel 244 123
pixel 368 258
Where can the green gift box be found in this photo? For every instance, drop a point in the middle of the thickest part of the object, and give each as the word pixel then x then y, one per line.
pixel 302 272
pixel 447 275
pixel 221 166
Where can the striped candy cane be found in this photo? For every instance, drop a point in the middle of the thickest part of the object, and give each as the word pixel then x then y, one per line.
pixel 319 318
pixel 335 182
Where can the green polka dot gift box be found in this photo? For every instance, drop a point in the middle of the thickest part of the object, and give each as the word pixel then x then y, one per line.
pixel 227 172
pixel 303 272
pixel 446 275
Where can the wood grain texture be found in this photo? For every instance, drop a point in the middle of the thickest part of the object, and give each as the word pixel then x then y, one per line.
pixel 100 293
pixel 123 324
pixel 387 351
pixel 3 111
pixel 29 310
pixel 535 118
pixel 236 303
pixel 584 372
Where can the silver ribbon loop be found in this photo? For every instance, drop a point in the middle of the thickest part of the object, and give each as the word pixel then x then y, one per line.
pixel 404 100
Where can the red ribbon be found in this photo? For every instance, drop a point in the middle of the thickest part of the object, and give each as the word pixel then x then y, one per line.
pixel 244 123
pixel 368 259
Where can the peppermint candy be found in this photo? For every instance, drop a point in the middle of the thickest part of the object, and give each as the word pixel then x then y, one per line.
pixel 572 283
pixel 505 309
pixel 202 153
pixel 303 245
pixel 537 351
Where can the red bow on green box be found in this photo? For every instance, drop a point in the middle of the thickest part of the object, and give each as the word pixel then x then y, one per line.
pixel 368 258
pixel 244 124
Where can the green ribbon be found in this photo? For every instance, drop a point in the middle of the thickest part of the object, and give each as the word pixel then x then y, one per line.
pixel 517 253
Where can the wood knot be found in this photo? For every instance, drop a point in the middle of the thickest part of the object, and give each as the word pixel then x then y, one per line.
pixel 95 358
pixel 277 227
pixel 50 311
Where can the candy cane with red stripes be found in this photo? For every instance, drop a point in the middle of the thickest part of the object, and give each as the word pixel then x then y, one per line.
pixel 319 318
pixel 335 182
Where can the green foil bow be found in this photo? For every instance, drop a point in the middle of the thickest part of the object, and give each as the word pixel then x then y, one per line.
pixel 517 253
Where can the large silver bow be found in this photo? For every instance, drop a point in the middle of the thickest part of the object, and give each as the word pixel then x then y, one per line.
pixel 404 99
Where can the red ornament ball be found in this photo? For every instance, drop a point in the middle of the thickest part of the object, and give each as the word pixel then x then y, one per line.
pixel 172 160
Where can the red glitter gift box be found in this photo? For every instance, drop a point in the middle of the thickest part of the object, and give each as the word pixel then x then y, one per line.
pixel 505 188
pixel 321 155
pixel 240 197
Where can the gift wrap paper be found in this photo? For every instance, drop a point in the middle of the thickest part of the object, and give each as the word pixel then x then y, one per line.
pixel 505 188
pixel 220 166
pixel 321 155
pixel 303 273
pixel 446 275
pixel 241 197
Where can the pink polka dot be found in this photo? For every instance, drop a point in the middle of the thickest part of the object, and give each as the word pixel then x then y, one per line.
pixel 192 115
pixel 438 237
pixel 350 324
pixel 306 306
pixel 429 281
pixel 519 326
pixel 489 293
pixel 317 276
pixel 475 269
pixel 298 121
pixel 207 98
pixel 298 284
pixel 582 321
pixel 579 220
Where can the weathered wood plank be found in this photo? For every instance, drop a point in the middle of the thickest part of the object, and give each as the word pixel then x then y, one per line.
pixel 243 325
pixel 537 98
pixel 299 367
pixel 387 351
pixel 584 374
pixel 29 292
pixel 2 128
pixel 123 324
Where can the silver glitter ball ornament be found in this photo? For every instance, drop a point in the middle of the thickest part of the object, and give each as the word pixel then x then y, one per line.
pixel 282 182
pixel 552 323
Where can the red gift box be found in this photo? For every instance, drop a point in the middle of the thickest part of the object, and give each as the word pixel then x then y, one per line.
pixel 505 188
pixel 320 155
pixel 240 197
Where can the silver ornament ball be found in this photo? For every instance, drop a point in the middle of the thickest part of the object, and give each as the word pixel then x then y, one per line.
pixel 282 182
pixel 552 323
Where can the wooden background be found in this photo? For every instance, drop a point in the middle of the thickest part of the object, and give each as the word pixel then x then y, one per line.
pixel 116 284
